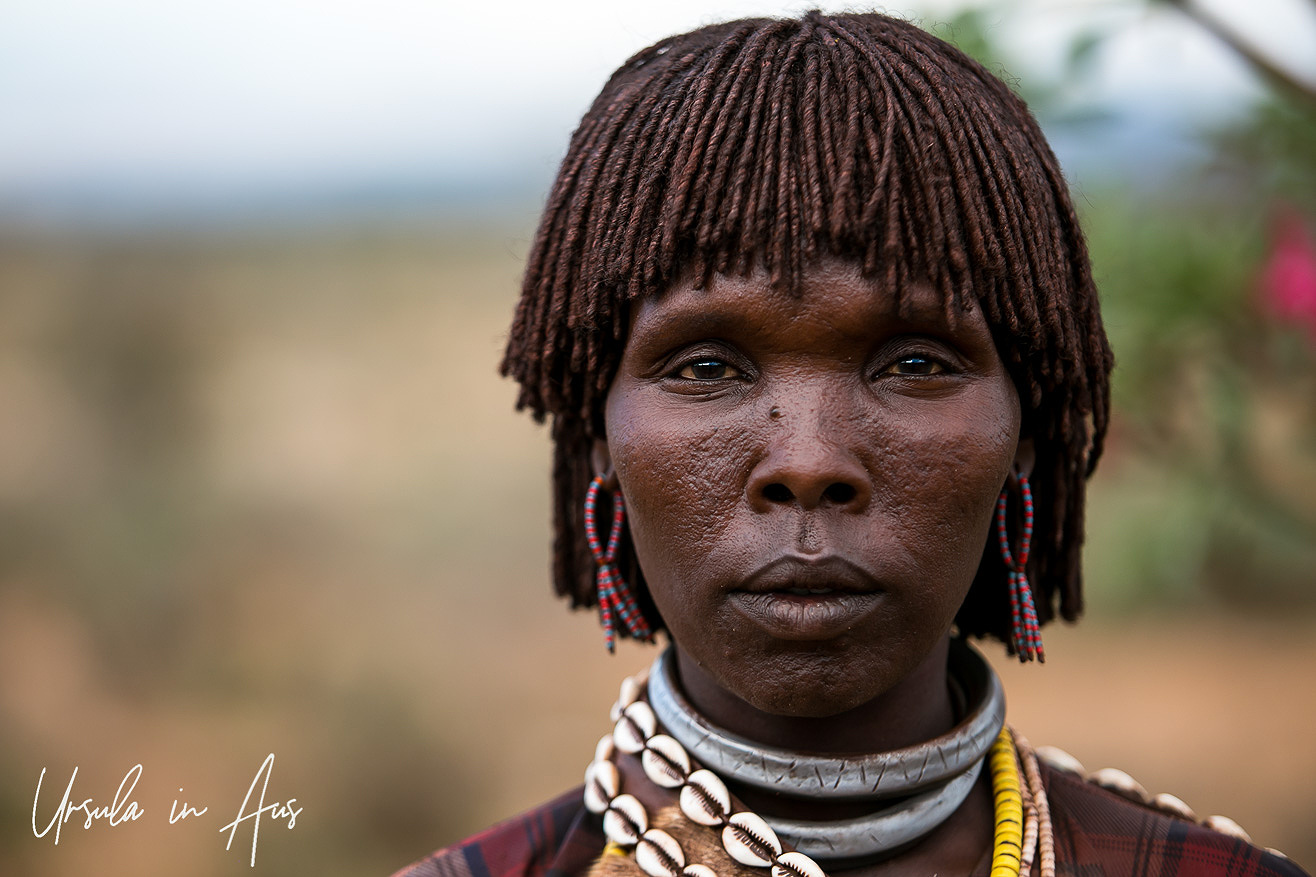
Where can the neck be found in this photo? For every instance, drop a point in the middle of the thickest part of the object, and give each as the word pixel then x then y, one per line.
pixel 916 709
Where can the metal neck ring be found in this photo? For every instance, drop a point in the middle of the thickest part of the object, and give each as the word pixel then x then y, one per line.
pixel 899 772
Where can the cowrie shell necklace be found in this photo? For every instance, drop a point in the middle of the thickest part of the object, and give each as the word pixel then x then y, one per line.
pixel 704 799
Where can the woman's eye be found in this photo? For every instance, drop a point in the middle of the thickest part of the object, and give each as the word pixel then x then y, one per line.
pixel 707 370
pixel 915 366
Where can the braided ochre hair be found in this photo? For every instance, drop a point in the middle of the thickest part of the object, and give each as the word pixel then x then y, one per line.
pixel 773 144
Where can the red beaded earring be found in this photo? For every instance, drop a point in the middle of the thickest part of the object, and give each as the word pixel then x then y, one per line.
pixel 1026 634
pixel 615 598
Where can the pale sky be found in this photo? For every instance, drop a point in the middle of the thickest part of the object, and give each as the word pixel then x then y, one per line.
pixel 291 93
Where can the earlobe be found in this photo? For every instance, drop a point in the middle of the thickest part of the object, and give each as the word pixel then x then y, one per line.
pixel 1024 458
pixel 601 459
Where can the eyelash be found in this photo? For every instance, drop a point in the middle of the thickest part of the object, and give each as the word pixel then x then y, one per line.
pixel 936 366
pixel 696 362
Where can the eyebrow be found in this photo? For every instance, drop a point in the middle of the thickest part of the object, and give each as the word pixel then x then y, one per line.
pixel 712 315
pixel 924 301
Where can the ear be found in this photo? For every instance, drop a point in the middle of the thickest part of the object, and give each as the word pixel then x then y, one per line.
pixel 1024 457
pixel 601 459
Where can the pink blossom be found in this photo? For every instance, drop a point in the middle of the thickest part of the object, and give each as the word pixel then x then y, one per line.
pixel 1288 277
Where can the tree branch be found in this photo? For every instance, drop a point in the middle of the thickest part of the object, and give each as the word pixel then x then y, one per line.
pixel 1260 62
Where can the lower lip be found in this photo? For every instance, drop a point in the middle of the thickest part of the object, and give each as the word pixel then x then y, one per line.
pixel 805 617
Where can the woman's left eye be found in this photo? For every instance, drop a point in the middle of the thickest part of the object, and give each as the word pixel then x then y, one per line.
pixel 914 366
pixel 708 369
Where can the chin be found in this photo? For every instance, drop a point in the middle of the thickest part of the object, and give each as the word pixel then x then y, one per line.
pixel 810 705
pixel 813 687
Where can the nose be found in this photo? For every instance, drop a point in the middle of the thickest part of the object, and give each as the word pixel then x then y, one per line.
pixel 810 463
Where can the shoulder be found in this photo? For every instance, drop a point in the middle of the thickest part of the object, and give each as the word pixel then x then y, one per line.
pixel 552 840
pixel 1102 833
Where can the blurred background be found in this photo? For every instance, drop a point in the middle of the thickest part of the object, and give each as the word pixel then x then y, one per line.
pixel 261 490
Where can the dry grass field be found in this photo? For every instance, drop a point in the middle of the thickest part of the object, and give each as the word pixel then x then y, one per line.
pixel 266 494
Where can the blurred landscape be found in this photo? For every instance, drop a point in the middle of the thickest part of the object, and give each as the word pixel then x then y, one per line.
pixel 262 491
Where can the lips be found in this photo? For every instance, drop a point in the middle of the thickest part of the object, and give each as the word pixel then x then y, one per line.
pixel 810 575
pixel 807 598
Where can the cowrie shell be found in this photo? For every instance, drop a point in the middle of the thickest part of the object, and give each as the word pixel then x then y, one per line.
pixel 1060 759
pixel 705 798
pixel 602 783
pixel 699 871
pixel 795 864
pixel 659 855
pixel 603 751
pixel 630 691
pixel 665 761
pixel 1120 783
pixel 636 725
pixel 750 841
pixel 1174 806
pixel 625 820
pixel 1225 825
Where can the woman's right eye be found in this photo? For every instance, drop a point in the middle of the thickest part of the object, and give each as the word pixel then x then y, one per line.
pixel 707 369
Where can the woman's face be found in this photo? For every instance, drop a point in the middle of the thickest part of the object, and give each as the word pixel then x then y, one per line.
pixel 810 480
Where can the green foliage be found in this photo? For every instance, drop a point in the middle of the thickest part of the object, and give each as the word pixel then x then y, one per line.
pixel 1271 152
pixel 1172 278
pixel 1208 489
pixel 1214 448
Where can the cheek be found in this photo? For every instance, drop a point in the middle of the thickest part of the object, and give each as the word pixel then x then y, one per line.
pixel 682 478
pixel 940 477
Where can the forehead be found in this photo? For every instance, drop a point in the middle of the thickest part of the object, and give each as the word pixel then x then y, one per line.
pixel 833 296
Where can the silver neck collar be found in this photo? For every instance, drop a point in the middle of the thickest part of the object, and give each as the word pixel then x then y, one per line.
pixel 930 779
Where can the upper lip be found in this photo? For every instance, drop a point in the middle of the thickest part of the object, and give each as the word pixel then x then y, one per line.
pixel 827 572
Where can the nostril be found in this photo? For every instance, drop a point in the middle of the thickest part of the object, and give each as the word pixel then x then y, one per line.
pixel 839 493
pixel 778 492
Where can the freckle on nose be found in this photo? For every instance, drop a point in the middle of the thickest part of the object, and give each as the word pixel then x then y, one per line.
pixel 775 412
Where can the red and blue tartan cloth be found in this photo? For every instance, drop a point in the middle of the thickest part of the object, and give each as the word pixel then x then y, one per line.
pixel 1097 834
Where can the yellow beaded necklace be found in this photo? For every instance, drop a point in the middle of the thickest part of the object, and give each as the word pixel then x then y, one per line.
pixel 1007 847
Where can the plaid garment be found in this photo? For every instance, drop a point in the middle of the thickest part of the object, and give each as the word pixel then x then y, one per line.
pixel 557 839
pixel 1097 834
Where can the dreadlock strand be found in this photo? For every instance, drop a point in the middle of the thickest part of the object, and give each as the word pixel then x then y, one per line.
pixel 719 202
pixel 715 80
pixel 722 199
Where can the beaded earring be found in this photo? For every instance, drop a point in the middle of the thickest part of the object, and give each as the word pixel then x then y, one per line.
pixel 1026 633
pixel 615 598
